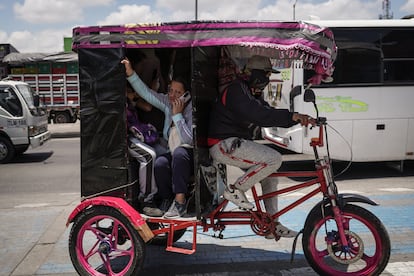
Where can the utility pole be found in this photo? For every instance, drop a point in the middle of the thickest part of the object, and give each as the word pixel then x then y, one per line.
pixel 294 8
pixel 196 10
pixel 386 10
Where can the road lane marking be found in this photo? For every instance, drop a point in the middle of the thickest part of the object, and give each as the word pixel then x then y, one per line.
pixel 397 190
pixel 32 205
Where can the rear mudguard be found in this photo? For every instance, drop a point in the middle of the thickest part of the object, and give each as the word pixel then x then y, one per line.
pixel 137 221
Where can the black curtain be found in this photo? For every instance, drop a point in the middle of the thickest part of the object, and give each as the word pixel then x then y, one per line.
pixel 103 120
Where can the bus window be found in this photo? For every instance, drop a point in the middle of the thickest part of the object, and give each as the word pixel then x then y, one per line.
pixel 372 55
pixel 398 44
pixel 397 47
pixel 358 65
pixel 398 71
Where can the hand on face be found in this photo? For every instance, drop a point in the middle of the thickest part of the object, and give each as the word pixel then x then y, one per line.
pixel 177 106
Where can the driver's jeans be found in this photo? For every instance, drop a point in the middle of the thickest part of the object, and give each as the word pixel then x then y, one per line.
pixel 256 160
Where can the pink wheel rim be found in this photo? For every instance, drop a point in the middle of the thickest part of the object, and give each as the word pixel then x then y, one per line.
pixel 105 248
pixel 371 261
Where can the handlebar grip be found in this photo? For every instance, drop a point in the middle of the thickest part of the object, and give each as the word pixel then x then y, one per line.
pixel 321 121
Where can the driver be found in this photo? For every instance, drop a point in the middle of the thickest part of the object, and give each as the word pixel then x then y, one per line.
pixel 239 107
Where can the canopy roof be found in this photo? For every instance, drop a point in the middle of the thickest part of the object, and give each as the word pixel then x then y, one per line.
pixel 312 44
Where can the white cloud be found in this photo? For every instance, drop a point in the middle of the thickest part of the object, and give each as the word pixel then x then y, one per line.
pixel 226 10
pixel 131 14
pixel 277 10
pixel 209 10
pixel 44 41
pixel 3 36
pixel 53 11
pixel 339 9
pixel 408 7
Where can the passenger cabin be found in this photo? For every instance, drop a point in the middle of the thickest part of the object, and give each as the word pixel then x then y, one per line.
pixel 207 54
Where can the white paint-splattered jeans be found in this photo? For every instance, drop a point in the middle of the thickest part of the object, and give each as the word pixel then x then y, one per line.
pixel 257 160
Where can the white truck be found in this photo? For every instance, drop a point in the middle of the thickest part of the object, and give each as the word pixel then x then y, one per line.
pixel 54 77
pixel 23 122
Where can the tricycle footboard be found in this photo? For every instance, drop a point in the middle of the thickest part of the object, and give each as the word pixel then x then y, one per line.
pixel 170 228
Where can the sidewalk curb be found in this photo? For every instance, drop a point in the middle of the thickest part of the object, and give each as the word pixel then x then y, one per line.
pixel 65 134
pixel 70 130
pixel 44 246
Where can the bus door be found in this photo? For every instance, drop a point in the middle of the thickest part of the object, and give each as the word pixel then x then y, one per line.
pixel 285 90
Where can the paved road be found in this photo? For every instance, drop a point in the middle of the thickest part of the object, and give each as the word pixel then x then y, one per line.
pixel 33 236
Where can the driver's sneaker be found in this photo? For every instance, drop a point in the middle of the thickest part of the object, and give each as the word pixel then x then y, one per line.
pixel 239 198
pixel 283 232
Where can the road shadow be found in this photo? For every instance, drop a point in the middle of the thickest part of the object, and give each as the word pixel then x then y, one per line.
pixel 35 157
pixel 212 258
pixel 357 170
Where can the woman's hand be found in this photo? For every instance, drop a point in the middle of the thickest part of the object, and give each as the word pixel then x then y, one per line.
pixel 303 119
pixel 128 67
pixel 177 106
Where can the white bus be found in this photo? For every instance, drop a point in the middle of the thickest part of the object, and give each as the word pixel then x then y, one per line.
pixel 370 101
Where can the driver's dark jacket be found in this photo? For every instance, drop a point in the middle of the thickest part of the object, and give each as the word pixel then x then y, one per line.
pixel 236 110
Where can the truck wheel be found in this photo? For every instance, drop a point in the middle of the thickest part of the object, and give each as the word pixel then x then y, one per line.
pixel 6 150
pixel 20 150
pixel 62 118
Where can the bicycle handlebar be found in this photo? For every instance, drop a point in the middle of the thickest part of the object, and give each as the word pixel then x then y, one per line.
pixel 318 141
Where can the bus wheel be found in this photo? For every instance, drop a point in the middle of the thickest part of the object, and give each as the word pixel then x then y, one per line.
pixel 102 241
pixel 6 150
pixel 62 118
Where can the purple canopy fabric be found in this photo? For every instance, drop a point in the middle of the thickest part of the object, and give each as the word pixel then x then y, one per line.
pixel 312 44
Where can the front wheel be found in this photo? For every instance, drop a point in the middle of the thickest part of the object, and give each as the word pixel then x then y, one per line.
pixel 102 241
pixel 366 252
pixel 7 151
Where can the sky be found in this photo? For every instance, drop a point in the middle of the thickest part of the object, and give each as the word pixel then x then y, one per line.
pixel 40 25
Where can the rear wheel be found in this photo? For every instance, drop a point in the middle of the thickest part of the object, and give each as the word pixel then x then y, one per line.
pixel 102 241
pixel 62 118
pixel 366 252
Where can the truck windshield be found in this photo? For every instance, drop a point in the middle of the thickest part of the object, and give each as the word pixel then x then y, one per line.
pixel 10 102
pixel 27 93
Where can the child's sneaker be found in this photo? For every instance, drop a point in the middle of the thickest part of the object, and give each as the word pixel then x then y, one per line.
pixel 152 211
pixel 176 210
pixel 239 198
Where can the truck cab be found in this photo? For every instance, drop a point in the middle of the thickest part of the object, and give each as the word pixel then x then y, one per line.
pixel 23 122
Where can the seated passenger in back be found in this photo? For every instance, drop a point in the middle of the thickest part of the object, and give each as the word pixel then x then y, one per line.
pixel 174 168
pixel 139 137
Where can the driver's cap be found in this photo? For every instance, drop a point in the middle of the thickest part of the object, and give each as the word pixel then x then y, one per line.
pixel 260 63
